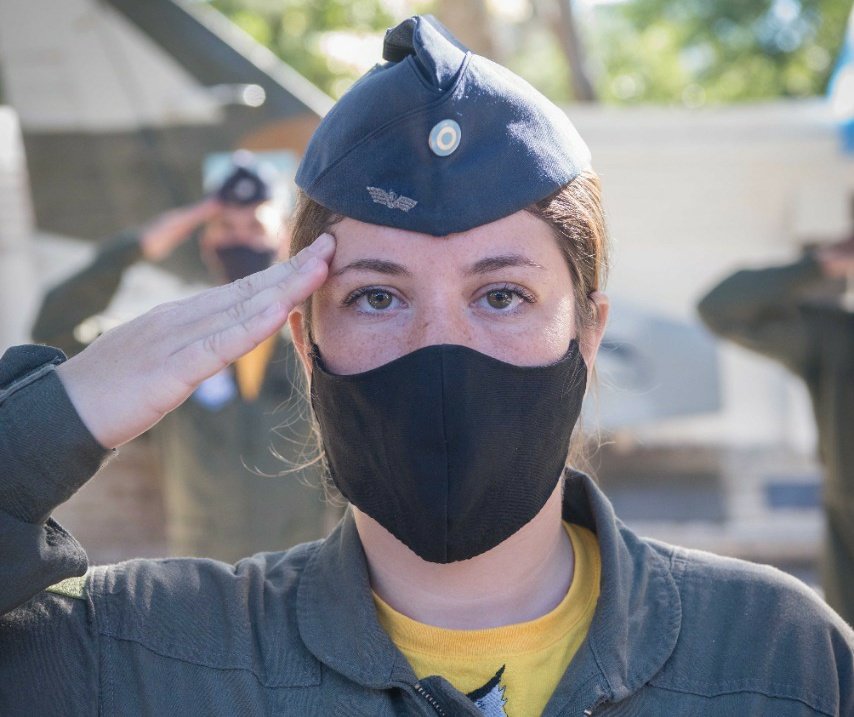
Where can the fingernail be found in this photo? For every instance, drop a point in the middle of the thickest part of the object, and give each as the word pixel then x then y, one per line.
pixel 308 266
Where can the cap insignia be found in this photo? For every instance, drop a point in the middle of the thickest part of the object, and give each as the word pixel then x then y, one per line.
pixel 391 199
pixel 444 138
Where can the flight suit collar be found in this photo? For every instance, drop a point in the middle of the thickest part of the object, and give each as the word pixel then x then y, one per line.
pixel 639 614
pixel 336 614
pixel 633 633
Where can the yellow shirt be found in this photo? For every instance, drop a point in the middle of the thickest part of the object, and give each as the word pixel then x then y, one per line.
pixel 252 367
pixel 514 669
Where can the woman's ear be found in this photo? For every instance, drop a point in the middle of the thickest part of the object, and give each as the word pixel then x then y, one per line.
pixel 301 338
pixel 592 335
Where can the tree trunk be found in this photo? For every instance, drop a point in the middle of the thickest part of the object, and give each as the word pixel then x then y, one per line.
pixel 570 41
pixel 470 23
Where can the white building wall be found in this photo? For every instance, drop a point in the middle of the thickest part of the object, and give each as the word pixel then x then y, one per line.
pixel 693 195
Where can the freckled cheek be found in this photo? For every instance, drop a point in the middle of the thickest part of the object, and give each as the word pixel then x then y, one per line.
pixel 349 345
pixel 557 331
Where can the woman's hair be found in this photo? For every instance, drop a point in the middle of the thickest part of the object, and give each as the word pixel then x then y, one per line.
pixel 574 214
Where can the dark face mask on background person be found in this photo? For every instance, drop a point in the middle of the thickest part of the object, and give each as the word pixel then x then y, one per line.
pixel 450 450
pixel 237 261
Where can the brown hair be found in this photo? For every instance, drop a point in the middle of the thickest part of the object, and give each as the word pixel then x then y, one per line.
pixel 574 213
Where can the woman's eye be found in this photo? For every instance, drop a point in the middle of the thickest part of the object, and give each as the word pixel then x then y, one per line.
pixel 370 300
pixel 378 299
pixel 507 299
pixel 500 298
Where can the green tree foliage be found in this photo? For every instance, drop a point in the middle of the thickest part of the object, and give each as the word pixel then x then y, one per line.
pixel 299 31
pixel 539 58
pixel 691 52
pixel 716 51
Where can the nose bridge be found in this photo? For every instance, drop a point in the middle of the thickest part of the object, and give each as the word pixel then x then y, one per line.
pixel 443 321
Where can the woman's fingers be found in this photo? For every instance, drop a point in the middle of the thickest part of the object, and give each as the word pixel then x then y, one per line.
pixel 291 275
pixel 133 375
pixel 246 322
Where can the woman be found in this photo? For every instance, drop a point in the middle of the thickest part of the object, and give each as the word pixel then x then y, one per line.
pixel 454 316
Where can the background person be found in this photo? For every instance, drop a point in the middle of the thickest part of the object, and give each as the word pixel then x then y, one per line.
pixel 448 352
pixel 797 314
pixel 223 495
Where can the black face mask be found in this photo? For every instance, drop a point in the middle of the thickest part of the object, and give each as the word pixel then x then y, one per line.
pixel 238 260
pixel 450 450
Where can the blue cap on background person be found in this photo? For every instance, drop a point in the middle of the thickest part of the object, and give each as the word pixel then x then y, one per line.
pixel 246 183
pixel 438 140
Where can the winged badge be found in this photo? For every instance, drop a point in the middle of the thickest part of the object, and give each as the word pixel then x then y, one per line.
pixel 390 199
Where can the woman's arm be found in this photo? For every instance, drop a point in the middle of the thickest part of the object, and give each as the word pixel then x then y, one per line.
pixel 59 419
pixel 57 422
pixel 46 453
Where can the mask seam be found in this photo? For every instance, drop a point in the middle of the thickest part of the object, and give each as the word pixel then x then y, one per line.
pixel 445 449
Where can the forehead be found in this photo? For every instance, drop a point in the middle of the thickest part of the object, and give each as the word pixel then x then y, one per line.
pixel 519 233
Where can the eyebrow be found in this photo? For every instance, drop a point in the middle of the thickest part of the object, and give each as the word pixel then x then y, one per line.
pixel 378 265
pixel 493 263
pixel 483 266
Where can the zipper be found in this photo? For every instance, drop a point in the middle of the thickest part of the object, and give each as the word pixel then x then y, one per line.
pixel 432 701
pixel 594 707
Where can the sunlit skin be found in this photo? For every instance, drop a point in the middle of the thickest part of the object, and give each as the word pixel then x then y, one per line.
pixel 503 289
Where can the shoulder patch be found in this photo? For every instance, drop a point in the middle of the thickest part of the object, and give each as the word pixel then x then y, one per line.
pixel 70 587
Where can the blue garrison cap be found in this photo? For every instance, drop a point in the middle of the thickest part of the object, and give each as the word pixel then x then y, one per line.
pixel 438 140
pixel 246 183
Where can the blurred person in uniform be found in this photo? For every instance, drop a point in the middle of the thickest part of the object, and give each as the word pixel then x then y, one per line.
pixel 802 315
pixel 225 453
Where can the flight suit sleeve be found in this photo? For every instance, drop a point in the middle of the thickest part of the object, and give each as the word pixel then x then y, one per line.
pixel 49 655
pixel 758 309
pixel 46 454
pixel 85 293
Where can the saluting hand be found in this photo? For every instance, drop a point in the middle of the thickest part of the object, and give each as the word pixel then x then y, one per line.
pixel 131 376
pixel 160 238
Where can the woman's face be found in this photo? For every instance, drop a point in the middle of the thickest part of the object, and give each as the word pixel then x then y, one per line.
pixel 503 289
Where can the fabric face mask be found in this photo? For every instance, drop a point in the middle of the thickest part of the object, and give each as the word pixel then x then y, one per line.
pixel 238 261
pixel 448 449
